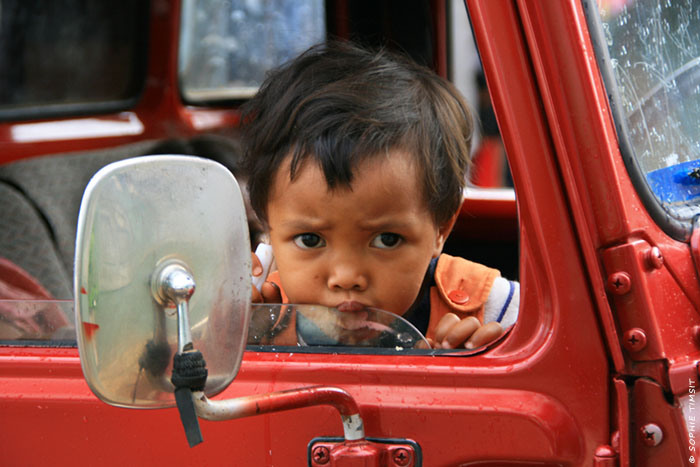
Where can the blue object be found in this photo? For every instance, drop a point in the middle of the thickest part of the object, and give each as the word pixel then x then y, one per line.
pixel 677 183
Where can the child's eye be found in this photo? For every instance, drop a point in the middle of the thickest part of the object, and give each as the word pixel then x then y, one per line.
pixel 309 240
pixel 386 240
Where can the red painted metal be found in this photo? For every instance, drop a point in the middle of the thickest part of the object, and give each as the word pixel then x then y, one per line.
pixel 396 398
pixel 605 456
pixel 356 454
pixel 620 441
pixel 651 293
pixel 680 374
pixel 439 16
pixel 653 417
pixel 607 211
pixel 489 162
pixel 490 215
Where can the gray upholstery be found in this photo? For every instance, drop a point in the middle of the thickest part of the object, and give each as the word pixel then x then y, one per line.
pixel 26 240
pixel 40 199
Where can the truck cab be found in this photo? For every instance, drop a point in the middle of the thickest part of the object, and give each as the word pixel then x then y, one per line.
pixel 595 105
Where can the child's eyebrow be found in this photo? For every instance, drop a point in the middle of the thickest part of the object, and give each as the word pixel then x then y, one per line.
pixel 304 224
pixel 386 224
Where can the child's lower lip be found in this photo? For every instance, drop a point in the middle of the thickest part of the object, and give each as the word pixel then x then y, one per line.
pixel 350 307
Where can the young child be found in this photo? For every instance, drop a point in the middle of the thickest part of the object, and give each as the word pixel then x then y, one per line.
pixel 356 163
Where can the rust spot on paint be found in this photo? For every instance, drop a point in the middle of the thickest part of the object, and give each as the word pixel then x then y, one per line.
pixel 89 329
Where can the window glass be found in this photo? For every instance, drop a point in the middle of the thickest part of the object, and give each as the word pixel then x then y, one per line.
pixel 65 56
pixel 227 45
pixel 652 49
pixel 33 322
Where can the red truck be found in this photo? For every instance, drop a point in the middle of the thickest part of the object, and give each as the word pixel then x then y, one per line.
pixel 594 102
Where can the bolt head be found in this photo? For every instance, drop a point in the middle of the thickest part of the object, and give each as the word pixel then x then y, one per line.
pixel 619 283
pixel 651 434
pixel 320 455
pixel 634 339
pixel 654 258
pixel 401 457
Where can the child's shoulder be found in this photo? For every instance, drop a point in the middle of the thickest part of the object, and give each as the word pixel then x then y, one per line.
pixel 468 287
pixel 463 284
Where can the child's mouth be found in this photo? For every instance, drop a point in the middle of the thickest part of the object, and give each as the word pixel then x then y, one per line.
pixel 350 307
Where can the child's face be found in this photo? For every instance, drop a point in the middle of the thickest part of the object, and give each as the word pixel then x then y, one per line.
pixel 368 246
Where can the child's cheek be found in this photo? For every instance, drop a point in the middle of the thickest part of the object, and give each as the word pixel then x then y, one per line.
pixel 299 287
pixel 405 292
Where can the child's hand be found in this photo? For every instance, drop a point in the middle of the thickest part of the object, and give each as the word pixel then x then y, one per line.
pixel 469 333
pixel 269 292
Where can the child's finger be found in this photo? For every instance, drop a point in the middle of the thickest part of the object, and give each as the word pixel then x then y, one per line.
pixel 444 325
pixel 486 334
pixel 257 268
pixel 271 293
pixel 256 296
pixel 460 332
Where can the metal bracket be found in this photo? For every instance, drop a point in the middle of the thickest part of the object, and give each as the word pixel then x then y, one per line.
pixel 332 451
pixel 680 374
pixel 641 286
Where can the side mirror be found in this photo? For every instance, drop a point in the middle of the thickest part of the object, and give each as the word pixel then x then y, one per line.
pixel 150 228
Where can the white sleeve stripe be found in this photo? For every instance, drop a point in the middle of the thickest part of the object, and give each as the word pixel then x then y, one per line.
pixel 503 302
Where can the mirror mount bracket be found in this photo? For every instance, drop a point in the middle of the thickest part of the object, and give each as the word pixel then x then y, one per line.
pixel 231 409
pixel 173 284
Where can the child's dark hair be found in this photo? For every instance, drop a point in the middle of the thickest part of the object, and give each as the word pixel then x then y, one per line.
pixel 337 103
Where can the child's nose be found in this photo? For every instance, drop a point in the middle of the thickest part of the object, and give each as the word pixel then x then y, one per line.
pixel 347 276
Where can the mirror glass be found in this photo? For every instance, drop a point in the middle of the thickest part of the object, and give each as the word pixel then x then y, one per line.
pixel 137 215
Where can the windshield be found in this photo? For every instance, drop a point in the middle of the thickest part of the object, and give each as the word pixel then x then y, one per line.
pixel 228 46
pixel 649 51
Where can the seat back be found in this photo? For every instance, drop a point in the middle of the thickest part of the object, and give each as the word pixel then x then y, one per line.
pixel 40 203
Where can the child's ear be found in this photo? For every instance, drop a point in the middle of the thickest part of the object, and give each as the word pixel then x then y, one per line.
pixel 444 232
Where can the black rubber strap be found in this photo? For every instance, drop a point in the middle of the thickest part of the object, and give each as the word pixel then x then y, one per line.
pixel 189 374
pixel 189 370
pixel 188 416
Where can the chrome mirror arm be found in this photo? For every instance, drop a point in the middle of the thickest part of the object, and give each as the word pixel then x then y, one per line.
pixel 231 409
pixel 173 284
